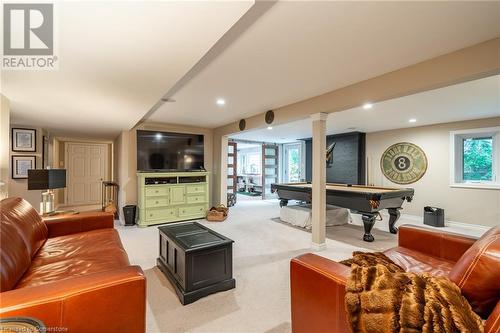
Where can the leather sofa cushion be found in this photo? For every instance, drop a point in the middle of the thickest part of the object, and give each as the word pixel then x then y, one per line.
pixel 14 256
pixel 476 273
pixel 417 262
pixel 74 255
pixel 26 219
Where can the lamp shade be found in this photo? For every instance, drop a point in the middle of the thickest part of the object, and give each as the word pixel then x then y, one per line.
pixel 46 179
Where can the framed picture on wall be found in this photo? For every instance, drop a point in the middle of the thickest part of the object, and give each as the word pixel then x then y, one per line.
pixel 23 139
pixel 21 164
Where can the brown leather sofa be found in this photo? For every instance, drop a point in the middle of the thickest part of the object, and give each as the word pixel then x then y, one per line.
pixel 318 284
pixel 71 273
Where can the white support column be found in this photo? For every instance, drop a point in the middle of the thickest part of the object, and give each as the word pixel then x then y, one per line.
pixel 319 180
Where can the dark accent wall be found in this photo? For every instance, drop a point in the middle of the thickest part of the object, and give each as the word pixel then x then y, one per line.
pixel 348 158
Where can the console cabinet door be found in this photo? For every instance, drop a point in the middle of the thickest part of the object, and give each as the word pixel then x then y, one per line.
pixel 177 195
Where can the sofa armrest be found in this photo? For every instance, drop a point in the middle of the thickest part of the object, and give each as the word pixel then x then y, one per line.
pixel 317 294
pixel 434 243
pixel 112 301
pixel 492 324
pixel 72 224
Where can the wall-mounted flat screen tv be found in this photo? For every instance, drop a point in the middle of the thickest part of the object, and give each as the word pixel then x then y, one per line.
pixel 165 151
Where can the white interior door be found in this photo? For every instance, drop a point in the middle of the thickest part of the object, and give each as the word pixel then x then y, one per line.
pixel 86 168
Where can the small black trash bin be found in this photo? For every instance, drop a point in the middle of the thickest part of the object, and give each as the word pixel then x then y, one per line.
pixel 129 214
pixel 434 216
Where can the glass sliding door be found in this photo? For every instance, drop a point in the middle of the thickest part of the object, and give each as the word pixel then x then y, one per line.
pixel 232 167
pixel 269 169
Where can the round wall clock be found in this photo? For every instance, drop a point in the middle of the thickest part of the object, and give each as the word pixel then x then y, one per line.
pixel 269 116
pixel 242 124
pixel 403 163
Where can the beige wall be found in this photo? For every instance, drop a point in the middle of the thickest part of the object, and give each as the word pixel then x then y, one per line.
pixel 123 175
pixel 465 205
pixel 125 148
pixel 4 146
pixel 19 187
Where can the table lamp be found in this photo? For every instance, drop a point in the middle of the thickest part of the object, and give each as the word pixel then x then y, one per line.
pixel 46 179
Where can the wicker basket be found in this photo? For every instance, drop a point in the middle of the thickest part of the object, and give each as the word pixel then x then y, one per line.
pixel 217 214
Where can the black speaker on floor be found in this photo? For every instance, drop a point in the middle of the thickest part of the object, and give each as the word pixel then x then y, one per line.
pixel 434 216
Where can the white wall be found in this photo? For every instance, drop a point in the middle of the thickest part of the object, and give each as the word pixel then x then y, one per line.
pixel 4 146
pixel 246 151
pixel 122 171
pixel 474 206
pixel 19 187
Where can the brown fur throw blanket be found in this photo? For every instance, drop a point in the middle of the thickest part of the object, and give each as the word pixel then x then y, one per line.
pixel 381 297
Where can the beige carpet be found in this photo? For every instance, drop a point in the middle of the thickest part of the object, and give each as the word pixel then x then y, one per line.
pixel 353 235
pixel 262 252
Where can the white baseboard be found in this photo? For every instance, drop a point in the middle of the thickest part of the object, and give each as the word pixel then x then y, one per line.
pixel 318 247
pixel 478 227
pixel 450 226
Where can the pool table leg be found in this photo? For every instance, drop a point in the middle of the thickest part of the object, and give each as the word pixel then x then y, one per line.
pixel 283 202
pixel 393 218
pixel 368 222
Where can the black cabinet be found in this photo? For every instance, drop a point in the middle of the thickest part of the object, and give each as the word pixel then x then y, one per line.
pixel 197 260
pixel 192 179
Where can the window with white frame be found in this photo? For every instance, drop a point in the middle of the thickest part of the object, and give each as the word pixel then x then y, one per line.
pixel 475 157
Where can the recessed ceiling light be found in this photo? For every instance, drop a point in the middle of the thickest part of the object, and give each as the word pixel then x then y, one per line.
pixel 367 106
pixel 269 127
pixel 221 101
pixel 412 120
pixel 158 136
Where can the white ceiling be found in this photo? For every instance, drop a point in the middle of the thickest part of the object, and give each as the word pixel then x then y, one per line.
pixel 465 101
pixel 297 50
pixel 116 60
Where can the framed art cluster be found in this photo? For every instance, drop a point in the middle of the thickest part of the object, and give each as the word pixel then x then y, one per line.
pixel 23 141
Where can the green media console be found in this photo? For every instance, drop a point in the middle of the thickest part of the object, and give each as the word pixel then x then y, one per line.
pixel 172 196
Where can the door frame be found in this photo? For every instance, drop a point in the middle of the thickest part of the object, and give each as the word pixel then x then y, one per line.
pixel 108 167
pixel 264 166
pixel 286 146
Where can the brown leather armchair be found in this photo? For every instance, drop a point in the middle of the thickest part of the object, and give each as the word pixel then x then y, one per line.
pixel 70 273
pixel 318 284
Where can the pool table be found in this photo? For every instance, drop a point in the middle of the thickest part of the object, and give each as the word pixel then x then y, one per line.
pixel 365 200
